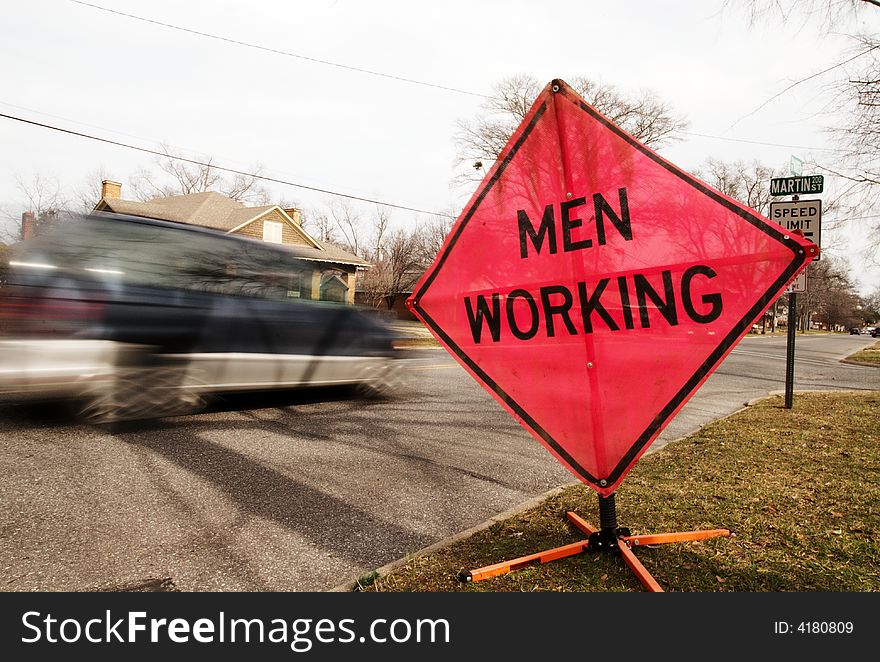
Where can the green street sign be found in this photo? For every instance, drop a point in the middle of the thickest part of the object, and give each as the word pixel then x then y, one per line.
pixel 808 184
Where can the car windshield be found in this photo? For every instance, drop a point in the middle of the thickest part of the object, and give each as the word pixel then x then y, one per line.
pixel 108 251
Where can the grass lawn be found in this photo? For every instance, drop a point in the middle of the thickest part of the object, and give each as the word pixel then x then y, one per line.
pixel 799 488
pixel 869 355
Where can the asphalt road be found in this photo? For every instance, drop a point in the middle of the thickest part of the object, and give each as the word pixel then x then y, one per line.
pixel 756 367
pixel 302 492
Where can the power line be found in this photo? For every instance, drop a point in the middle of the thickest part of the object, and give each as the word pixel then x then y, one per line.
pixel 359 70
pixel 434 85
pixel 96 126
pixel 687 133
pixel 165 145
pixel 758 142
pixel 804 80
pixel 287 182
pixel 217 167
pixel 277 51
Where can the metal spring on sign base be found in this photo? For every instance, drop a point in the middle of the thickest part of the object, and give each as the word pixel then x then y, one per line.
pixel 607 512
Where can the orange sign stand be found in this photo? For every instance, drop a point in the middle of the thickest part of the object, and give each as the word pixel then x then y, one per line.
pixel 608 538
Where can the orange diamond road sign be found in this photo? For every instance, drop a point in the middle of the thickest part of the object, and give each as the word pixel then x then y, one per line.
pixel 591 286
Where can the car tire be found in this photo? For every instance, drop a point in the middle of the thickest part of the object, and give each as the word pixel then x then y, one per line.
pixel 152 388
pixel 381 381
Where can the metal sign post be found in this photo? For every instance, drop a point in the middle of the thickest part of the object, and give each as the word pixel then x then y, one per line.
pixel 789 350
pixel 803 217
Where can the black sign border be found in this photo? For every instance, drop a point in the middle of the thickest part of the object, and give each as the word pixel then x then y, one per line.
pixel 799 257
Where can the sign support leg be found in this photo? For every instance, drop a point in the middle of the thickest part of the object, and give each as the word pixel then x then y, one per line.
pixel 608 538
pixel 789 350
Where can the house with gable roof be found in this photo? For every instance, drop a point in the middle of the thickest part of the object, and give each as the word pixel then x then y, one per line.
pixel 335 270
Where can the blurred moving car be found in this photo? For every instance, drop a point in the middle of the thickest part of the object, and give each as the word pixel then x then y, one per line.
pixel 142 318
pixel 855 331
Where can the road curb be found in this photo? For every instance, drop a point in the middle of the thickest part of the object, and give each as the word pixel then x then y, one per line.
pixel 801 392
pixel 783 335
pixel 352 584
pixel 861 363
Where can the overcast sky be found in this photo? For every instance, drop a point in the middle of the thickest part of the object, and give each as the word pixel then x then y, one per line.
pixel 382 138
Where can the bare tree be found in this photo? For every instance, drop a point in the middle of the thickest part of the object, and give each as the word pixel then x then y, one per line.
pixel 830 12
pixel 319 224
pixel 178 177
pixel 10 224
pixel 88 193
pixel 855 98
pixel 44 196
pixel 348 224
pixel 4 267
pixel 396 268
pixel 749 183
pixel 429 236
pixel 871 307
pixel 381 221
pixel 397 255
pixel 859 131
pixel 481 139
pixel 830 294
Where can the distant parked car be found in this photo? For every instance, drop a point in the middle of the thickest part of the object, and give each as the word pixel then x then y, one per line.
pixel 142 318
pixel 855 331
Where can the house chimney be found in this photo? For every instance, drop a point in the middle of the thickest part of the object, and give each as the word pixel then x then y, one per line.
pixel 295 215
pixel 110 190
pixel 28 224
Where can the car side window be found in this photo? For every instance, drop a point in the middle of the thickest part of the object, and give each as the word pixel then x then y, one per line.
pixel 240 268
pixel 112 251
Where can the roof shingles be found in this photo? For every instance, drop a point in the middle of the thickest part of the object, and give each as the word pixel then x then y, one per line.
pixel 216 211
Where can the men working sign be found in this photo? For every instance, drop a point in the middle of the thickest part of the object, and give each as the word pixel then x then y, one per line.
pixel 591 287
pixel 636 293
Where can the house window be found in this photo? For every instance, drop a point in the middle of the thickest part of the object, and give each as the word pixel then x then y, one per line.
pixel 272 232
pixel 294 285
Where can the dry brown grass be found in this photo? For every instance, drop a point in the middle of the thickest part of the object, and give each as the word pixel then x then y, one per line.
pixel 869 355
